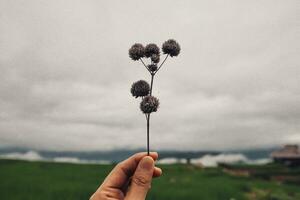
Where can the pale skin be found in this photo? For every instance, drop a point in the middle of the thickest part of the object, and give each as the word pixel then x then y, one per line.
pixel 130 179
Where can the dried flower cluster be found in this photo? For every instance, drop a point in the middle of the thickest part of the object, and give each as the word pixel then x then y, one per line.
pixel 137 51
pixel 149 104
pixel 155 58
pixel 152 67
pixel 151 49
pixel 141 88
pixel 171 47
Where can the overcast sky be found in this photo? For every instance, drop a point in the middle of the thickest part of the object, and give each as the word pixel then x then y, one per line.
pixel 65 74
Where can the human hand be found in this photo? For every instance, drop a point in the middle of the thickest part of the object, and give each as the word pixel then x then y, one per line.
pixel 130 179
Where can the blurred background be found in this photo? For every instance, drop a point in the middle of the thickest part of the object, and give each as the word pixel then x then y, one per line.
pixel 228 126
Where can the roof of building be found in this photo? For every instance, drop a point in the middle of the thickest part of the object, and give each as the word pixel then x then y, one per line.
pixel 288 151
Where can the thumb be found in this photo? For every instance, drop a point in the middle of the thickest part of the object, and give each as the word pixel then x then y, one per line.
pixel 141 180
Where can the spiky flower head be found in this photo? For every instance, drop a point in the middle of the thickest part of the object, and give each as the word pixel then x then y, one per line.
pixel 151 49
pixel 155 58
pixel 140 88
pixel 152 67
pixel 171 47
pixel 149 104
pixel 137 51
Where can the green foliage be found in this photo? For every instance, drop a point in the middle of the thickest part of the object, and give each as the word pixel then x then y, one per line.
pixel 21 180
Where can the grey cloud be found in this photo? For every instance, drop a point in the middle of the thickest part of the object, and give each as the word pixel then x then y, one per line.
pixel 65 74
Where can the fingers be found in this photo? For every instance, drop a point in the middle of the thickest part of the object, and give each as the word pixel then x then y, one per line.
pixel 157 172
pixel 121 173
pixel 141 180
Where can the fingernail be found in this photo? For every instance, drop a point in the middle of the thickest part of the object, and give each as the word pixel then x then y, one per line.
pixel 147 163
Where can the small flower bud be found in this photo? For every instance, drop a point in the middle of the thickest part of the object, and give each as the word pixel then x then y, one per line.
pixel 155 58
pixel 152 67
pixel 149 104
pixel 171 47
pixel 137 51
pixel 151 49
pixel 140 88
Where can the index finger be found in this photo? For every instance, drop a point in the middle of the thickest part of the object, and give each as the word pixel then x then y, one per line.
pixel 124 170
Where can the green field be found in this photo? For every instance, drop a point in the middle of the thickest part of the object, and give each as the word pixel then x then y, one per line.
pixel 20 180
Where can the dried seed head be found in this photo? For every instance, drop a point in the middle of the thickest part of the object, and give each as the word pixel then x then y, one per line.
pixel 149 104
pixel 151 49
pixel 171 47
pixel 137 51
pixel 140 88
pixel 152 67
pixel 155 58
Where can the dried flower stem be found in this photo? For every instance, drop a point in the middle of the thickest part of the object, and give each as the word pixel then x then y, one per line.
pixel 151 85
pixel 162 63
pixel 148 135
pixel 144 64
pixel 148 118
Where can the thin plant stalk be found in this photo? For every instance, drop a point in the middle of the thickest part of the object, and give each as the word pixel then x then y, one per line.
pixel 144 64
pixel 151 85
pixel 148 133
pixel 148 118
pixel 162 63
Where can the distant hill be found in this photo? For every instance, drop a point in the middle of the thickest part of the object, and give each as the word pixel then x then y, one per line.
pixel 120 154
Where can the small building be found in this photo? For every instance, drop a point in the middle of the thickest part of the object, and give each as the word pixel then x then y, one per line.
pixel 288 155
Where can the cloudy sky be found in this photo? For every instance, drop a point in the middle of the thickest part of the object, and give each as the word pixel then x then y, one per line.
pixel 65 74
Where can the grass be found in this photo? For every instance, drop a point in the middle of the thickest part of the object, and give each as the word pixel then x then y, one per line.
pixel 20 180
